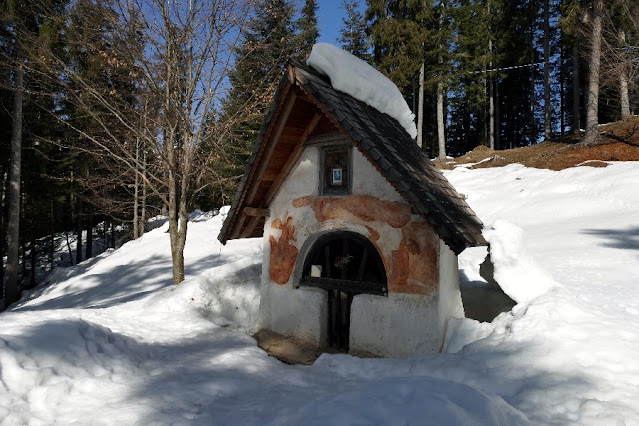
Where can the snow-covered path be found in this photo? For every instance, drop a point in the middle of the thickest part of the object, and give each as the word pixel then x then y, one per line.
pixel 112 341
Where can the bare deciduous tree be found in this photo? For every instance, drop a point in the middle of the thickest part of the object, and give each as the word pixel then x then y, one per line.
pixel 179 55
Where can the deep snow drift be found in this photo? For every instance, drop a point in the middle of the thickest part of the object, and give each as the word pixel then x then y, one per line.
pixel 112 341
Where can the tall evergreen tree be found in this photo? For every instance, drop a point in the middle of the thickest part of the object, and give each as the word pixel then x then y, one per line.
pixel 402 35
pixel 353 36
pixel 267 42
pixel 474 55
pixel 308 31
pixel 26 32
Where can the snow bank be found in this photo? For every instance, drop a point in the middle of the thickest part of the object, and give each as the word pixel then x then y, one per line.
pixel 516 271
pixel 115 342
pixel 402 400
pixel 463 331
pixel 351 75
pixel 228 295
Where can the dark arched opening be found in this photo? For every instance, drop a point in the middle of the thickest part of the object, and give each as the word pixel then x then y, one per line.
pixel 345 264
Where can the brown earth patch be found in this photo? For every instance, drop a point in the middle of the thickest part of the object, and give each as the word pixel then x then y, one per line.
pixel 294 351
pixel 619 142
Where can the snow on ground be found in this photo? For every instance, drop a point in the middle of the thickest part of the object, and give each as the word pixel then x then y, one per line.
pixel 353 76
pixel 112 341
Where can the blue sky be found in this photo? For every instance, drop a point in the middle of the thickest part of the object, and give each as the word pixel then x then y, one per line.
pixel 329 19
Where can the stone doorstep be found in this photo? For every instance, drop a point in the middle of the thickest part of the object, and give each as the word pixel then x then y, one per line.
pixel 293 351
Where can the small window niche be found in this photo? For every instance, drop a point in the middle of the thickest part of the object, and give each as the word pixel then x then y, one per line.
pixel 336 170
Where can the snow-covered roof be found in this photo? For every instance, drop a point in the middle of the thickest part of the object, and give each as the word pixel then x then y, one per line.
pixel 378 136
pixel 351 75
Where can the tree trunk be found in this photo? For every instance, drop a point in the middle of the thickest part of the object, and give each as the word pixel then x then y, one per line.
pixel 562 83
pixel 136 221
pixel 89 226
pixel 13 223
pixel 491 100
pixel 533 127
pixel 24 259
pixel 497 120
pixel 142 225
pixel 78 233
pixel 547 107
pixel 491 115
pixel 2 227
pixel 420 108
pixel 623 81
pixel 177 229
pixel 51 237
pixel 441 137
pixel 34 254
pixel 177 215
pixel 112 243
pixel 592 112
pixel 66 234
pixel 576 119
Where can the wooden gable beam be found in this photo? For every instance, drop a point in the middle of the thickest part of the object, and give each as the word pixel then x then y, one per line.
pixel 286 169
pixel 256 212
pixel 271 145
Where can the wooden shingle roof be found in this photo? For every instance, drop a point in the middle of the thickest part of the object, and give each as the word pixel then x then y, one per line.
pixel 379 137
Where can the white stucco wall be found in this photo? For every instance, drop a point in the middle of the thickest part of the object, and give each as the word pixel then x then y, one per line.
pixel 368 181
pixel 450 301
pixel 406 324
pixel 284 309
pixel 396 326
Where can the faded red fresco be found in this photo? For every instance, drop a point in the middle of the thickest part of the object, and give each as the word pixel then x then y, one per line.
pixel 373 235
pixel 362 207
pixel 283 253
pixel 412 267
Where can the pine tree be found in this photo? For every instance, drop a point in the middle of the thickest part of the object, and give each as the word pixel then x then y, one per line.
pixel 308 32
pixel 403 34
pixel 26 33
pixel 515 33
pixel 473 55
pixel 353 36
pixel 267 43
pixel 399 34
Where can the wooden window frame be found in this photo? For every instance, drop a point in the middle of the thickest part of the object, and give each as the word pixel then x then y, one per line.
pixel 323 189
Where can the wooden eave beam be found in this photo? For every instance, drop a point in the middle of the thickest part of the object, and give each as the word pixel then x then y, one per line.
pixel 295 76
pixel 256 212
pixel 292 159
pixel 271 143
pixel 286 169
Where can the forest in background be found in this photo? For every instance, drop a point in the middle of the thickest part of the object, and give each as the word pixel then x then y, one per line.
pixel 116 111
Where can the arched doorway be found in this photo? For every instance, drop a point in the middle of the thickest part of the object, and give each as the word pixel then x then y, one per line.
pixel 344 264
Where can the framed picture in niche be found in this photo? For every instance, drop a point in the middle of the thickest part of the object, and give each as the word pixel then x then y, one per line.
pixel 336 170
pixel 337 176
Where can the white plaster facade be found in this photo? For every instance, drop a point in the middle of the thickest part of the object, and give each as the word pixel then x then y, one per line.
pixel 398 325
